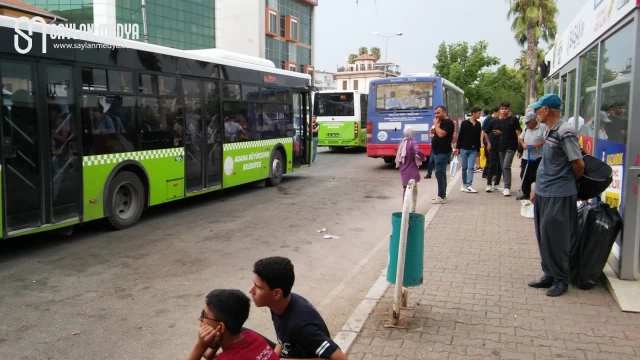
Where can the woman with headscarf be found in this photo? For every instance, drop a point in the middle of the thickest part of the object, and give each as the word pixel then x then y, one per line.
pixel 408 159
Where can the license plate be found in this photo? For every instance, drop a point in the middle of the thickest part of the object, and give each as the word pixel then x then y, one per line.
pixel 333 135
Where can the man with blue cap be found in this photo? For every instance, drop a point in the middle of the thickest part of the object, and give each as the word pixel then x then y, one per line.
pixel 555 197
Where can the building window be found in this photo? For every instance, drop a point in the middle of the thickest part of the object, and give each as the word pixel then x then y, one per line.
pixel 294 29
pixel 355 84
pixel 272 22
pixel 291 28
pixel 344 85
pixel 291 66
pixel 283 23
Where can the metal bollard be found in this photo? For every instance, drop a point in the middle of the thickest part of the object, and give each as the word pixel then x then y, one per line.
pixel 401 294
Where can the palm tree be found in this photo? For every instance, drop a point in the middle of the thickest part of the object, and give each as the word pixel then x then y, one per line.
pixel 533 20
pixel 363 50
pixel 352 58
pixel 375 52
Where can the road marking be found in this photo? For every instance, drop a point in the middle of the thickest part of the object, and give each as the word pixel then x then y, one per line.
pixel 346 337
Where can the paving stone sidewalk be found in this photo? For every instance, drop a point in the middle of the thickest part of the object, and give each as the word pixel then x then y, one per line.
pixel 475 302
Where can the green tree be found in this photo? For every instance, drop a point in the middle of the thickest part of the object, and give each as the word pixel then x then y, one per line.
pixel 363 50
pixel 533 20
pixel 375 52
pixel 494 87
pixel 352 58
pixel 462 65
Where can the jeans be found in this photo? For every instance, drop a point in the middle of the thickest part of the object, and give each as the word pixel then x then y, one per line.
pixel 468 160
pixel 506 159
pixel 431 164
pixel 441 162
pixel 315 148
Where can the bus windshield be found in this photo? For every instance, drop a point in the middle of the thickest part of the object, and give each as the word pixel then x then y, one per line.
pixel 405 96
pixel 333 104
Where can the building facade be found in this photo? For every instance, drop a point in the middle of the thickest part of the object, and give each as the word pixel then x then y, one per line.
pixel 364 69
pixel 323 80
pixel 289 29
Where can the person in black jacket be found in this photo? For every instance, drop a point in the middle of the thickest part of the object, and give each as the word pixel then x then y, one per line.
pixel 468 147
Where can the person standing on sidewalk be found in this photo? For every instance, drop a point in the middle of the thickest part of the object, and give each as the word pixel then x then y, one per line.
pixel 555 197
pixel 509 133
pixel 492 135
pixel 531 140
pixel 441 150
pixel 468 146
pixel 408 159
pixel 431 164
pixel 316 129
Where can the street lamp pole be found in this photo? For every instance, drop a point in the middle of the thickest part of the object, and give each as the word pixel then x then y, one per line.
pixel 386 49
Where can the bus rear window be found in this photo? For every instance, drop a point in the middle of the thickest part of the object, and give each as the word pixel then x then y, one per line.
pixel 405 96
pixel 334 104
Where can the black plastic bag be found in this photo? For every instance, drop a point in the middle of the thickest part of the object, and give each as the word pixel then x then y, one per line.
pixel 599 228
pixel 596 178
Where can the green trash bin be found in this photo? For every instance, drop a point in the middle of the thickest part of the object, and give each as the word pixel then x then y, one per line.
pixel 414 259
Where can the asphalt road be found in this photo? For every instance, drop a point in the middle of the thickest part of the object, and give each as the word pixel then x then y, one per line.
pixel 137 293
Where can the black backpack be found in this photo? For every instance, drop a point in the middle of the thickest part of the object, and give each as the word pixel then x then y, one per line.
pixel 596 178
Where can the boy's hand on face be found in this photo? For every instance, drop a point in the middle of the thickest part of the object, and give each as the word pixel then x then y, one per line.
pixel 208 335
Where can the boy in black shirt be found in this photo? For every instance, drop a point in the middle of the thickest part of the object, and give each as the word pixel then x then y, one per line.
pixel 491 128
pixel 301 331
pixel 510 131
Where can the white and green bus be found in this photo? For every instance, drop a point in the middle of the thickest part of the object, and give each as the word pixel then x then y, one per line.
pixel 108 127
pixel 342 116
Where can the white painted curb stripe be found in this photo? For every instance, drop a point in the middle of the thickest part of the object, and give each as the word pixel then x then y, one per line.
pixel 347 336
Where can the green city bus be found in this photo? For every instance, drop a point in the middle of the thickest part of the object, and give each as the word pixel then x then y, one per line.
pixel 342 116
pixel 105 128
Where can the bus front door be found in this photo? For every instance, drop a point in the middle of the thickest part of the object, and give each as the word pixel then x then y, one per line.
pixel 41 166
pixel 301 123
pixel 203 134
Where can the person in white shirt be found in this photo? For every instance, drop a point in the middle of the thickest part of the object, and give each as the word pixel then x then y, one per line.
pixel 572 122
pixel 412 101
pixel 589 129
pixel 394 102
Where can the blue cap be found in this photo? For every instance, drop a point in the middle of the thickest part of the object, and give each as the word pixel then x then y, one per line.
pixel 529 116
pixel 552 101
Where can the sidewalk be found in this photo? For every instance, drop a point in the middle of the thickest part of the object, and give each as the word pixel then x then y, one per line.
pixel 475 302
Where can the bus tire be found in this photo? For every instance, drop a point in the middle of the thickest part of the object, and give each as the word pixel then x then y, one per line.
pixel 276 169
pixel 125 200
pixel 388 159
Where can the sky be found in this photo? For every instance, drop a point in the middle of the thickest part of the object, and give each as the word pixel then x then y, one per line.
pixel 343 27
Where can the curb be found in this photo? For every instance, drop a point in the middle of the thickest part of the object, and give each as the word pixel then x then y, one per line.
pixel 349 332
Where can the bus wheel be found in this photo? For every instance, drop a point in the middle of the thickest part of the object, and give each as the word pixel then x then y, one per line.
pixel 126 200
pixel 388 160
pixel 277 169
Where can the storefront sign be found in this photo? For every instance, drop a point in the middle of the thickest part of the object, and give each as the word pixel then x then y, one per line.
pixel 589 24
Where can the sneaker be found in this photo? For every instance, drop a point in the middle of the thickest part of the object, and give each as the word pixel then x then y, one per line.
pixel 497 188
pixel 479 170
pixel 463 189
pixel 438 200
pixel 506 192
pixel 489 188
pixel 470 189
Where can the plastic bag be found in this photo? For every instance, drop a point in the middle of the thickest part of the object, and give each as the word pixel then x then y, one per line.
pixel 526 209
pixel 454 166
pixel 599 228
